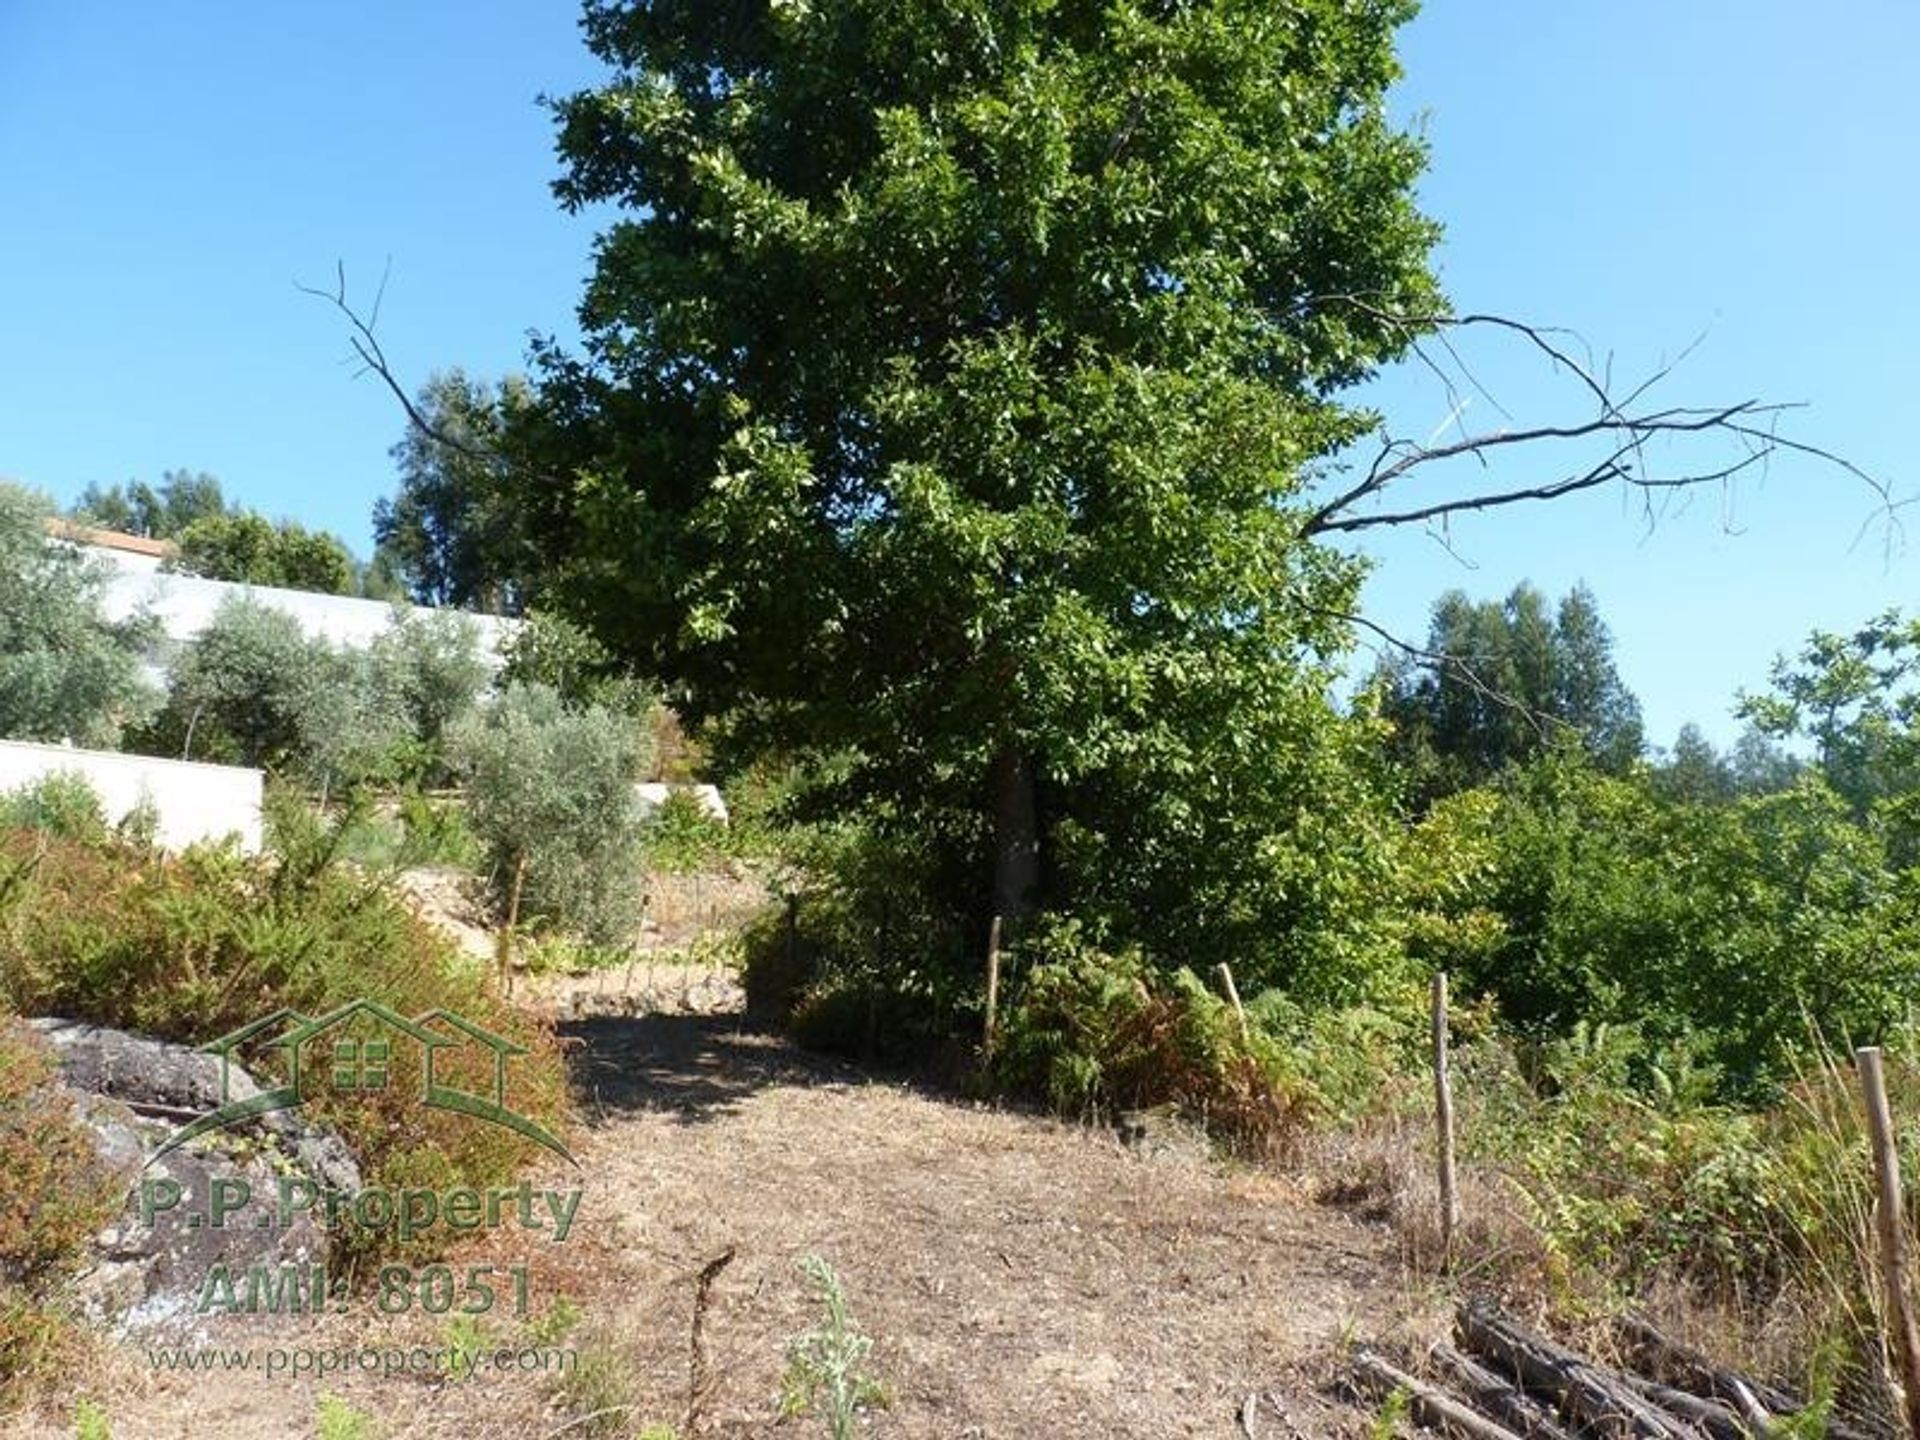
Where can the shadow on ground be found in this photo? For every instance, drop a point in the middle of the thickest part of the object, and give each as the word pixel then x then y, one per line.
pixel 700 1066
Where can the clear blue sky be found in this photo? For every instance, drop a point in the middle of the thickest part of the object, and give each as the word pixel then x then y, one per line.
pixel 1641 172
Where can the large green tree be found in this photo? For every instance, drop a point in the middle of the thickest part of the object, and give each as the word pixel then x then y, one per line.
pixel 953 381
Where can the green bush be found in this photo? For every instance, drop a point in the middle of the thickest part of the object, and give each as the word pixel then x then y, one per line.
pixel 61 804
pixel 254 688
pixel 550 797
pixel 1729 928
pixel 682 837
pixel 188 948
pixel 1095 1033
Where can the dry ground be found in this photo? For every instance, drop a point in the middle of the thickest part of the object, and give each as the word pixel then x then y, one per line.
pixel 1019 1277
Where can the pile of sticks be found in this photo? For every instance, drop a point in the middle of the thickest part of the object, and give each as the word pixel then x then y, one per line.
pixel 1506 1382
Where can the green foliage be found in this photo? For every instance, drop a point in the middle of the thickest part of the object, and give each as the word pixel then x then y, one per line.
pixel 455 529
pixel 681 837
pixel 90 1422
pixel 190 947
pixel 948 409
pixel 1097 1033
pixel 136 508
pixel 550 796
pixel 1505 678
pixel 547 649
pixel 253 688
pixel 1855 698
pixel 824 1366
pixel 63 804
pixel 245 547
pixel 335 1419
pixel 66 673
pixel 428 669
pixel 1733 926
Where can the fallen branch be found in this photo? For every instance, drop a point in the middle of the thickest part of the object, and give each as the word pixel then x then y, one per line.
pixel 1430 1404
pixel 1584 1390
pixel 1505 1402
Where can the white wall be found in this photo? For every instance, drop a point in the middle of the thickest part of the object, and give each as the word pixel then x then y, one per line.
pixel 195 802
pixel 185 605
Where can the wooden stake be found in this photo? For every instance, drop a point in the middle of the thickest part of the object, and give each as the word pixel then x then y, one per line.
pixel 1905 1338
pixel 1233 994
pixel 991 1034
pixel 1443 1116
pixel 508 936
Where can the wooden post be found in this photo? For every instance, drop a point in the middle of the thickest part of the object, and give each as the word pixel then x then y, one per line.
pixel 508 935
pixel 1443 1116
pixel 991 1034
pixel 1905 1338
pixel 793 937
pixel 1233 994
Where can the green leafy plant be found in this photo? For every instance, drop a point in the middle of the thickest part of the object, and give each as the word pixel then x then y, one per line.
pixel 63 803
pixel 90 1422
pixel 193 946
pixel 335 1419
pixel 824 1366
pixel 550 797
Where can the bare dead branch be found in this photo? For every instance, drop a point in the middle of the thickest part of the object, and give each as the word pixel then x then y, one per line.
pixel 1615 420
pixel 373 360
pixel 1540 721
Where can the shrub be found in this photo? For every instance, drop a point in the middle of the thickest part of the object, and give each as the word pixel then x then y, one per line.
pixel 58 1195
pixel 1094 1033
pixel 61 804
pixel 550 797
pixel 188 948
pixel 428 668
pixel 682 837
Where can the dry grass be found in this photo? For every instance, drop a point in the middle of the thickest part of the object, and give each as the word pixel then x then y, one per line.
pixel 1019 1277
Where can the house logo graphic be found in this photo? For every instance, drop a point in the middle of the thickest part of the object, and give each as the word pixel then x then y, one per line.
pixel 361 1060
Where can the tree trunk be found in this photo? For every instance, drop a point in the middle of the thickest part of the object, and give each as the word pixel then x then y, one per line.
pixel 1016 838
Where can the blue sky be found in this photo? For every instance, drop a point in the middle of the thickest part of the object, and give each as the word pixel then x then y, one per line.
pixel 1640 172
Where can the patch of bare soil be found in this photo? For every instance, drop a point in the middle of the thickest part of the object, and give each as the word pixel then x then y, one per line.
pixel 1019 1277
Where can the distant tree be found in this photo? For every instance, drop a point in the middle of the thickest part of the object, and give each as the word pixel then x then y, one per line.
pixel 1761 766
pixel 1499 680
pixel 182 498
pixel 66 672
pixel 247 548
pixel 455 530
pixel 1694 771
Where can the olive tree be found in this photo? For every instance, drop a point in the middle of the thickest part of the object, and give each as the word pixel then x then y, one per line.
pixel 66 671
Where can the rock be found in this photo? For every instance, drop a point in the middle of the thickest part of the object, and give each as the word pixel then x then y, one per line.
pixel 149 1277
pixel 148 1073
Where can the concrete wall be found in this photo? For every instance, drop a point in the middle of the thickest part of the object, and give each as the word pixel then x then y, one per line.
pixel 195 802
pixel 185 604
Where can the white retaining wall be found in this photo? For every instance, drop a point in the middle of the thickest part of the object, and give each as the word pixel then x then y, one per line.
pixel 194 801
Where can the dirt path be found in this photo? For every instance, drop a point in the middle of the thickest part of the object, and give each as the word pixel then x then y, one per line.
pixel 1019 1277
